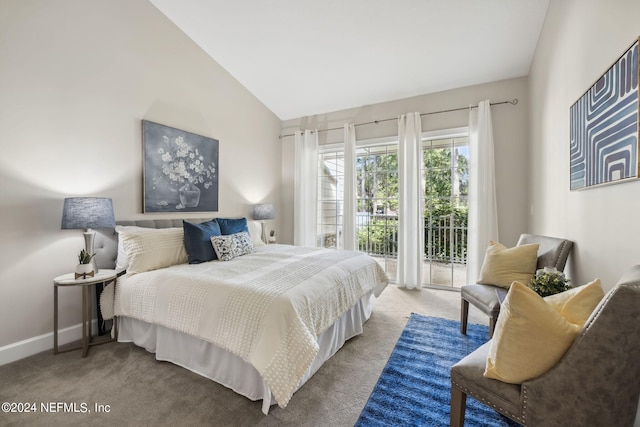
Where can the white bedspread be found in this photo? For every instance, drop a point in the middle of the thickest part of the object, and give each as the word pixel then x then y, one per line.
pixel 267 307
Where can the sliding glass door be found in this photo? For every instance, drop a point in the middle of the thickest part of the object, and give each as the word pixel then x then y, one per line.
pixel 445 201
pixel 377 203
pixel 446 208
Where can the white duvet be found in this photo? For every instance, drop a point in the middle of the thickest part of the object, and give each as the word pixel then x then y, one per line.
pixel 266 307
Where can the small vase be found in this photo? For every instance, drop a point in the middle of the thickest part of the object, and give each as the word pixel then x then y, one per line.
pixel 189 195
pixel 84 270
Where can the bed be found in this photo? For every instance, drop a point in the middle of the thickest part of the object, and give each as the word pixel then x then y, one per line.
pixel 260 323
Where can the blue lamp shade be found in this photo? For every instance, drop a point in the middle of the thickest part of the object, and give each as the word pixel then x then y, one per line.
pixel 87 212
pixel 263 211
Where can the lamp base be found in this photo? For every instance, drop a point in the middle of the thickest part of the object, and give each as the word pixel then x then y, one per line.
pixel 265 239
pixel 89 235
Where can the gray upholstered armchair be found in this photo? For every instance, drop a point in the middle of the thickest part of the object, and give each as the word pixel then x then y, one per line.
pixel 594 384
pixel 553 252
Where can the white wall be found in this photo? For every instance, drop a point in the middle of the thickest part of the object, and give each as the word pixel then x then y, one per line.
pixel 76 79
pixel 510 125
pixel 580 40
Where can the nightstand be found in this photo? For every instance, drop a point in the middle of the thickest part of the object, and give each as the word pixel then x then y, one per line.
pixel 102 276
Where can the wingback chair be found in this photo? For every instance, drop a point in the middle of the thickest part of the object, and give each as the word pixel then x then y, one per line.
pixel 594 384
pixel 552 252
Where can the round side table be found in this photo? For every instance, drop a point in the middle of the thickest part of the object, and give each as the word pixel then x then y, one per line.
pixel 102 276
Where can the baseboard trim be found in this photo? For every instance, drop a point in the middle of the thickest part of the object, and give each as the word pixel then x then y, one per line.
pixel 29 347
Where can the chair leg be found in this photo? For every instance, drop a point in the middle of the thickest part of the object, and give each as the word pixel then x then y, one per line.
pixel 458 407
pixel 492 326
pixel 464 315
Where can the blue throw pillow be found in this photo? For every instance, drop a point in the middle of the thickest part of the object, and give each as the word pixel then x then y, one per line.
pixel 197 240
pixel 232 225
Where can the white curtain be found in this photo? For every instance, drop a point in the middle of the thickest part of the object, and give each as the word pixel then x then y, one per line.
pixel 349 193
pixel 483 211
pixel 306 188
pixel 410 202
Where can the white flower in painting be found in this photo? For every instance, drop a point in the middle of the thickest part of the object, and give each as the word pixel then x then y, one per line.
pixel 183 163
pixel 181 168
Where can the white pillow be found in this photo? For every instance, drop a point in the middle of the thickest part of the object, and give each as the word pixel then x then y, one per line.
pixel 151 249
pixel 255 230
pixel 122 260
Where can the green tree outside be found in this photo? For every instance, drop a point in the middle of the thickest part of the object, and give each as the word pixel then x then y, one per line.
pixel 446 175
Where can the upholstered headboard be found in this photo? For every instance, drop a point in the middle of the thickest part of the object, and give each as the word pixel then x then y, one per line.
pixel 106 241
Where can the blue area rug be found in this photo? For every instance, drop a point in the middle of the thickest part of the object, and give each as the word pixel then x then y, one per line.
pixel 414 388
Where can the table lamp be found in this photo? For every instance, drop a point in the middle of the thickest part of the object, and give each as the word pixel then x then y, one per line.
pixel 263 212
pixel 87 213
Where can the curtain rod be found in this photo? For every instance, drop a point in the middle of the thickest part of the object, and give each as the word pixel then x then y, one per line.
pixel 514 101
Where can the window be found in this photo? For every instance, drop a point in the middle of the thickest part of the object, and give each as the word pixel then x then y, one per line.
pixel 446 175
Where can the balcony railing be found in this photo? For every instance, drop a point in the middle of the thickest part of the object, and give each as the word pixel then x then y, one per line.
pixel 443 242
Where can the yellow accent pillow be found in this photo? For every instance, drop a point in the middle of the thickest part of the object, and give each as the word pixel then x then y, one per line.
pixel 503 265
pixel 577 304
pixel 529 339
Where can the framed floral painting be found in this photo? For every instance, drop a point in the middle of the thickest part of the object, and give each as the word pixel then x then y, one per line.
pixel 180 170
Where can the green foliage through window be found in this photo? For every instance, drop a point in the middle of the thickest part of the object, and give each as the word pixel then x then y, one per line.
pixel 446 175
pixel 446 185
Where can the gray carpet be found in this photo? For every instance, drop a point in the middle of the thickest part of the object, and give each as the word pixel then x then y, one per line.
pixel 141 391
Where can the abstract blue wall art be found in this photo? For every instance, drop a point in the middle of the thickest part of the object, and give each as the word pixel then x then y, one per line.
pixel 180 170
pixel 604 127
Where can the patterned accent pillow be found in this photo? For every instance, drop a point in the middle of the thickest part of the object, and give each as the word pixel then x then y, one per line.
pixel 233 245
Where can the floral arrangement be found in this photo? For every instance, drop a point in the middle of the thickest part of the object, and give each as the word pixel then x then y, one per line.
pixel 549 281
pixel 182 163
pixel 184 167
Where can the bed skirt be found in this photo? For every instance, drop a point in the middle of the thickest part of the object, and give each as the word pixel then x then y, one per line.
pixel 210 361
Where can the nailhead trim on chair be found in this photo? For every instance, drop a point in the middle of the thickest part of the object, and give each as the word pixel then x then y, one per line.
pixel 524 404
pixel 561 251
pixel 520 418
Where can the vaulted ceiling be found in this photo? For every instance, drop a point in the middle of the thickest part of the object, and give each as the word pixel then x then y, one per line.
pixel 306 57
